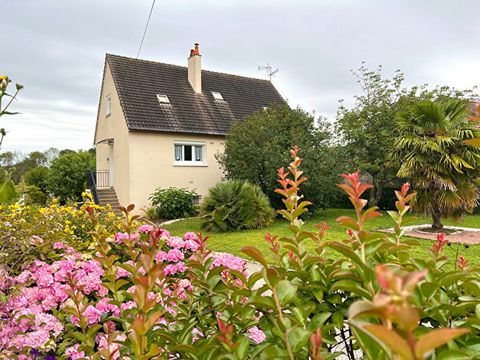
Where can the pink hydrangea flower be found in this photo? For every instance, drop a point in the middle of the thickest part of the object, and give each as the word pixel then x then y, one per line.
pixel 175 255
pixel 161 256
pixel 191 245
pixel 145 228
pixel 230 261
pixel 73 353
pixel 175 242
pixel 122 273
pixel 92 314
pixel 120 237
pixel 128 305
pixel 113 345
pixel 59 245
pixel 104 306
pixel 256 335
pixel 190 236
pixel 172 269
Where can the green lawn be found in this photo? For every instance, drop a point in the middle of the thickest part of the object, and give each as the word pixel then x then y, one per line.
pixel 232 242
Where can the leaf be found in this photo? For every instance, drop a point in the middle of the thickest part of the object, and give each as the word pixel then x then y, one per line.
pixel 241 350
pixel 350 286
pixel 435 339
pixel 285 291
pixel 317 321
pixel 473 142
pixel 454 355
pixel 349 253
pixel 255 254
pixel 298 338
pixel 348 222
pixel 391 339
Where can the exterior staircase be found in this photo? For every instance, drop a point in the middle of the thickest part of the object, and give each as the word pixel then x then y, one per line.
pixel 109 196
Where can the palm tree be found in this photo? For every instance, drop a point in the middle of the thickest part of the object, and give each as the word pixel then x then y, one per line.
pixel 433 155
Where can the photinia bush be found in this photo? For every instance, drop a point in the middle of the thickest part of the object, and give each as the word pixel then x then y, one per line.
pixel 145 294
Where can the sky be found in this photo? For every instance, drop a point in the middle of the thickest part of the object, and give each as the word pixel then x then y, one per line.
pixel 56 49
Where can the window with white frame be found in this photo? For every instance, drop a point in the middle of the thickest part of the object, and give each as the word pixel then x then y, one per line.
pixel 187 153
pixel 108 105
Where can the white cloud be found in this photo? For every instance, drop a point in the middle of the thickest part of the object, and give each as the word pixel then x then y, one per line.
pixel 57 48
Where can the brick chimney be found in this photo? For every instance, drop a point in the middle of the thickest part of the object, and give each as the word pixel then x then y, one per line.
pixel 195 69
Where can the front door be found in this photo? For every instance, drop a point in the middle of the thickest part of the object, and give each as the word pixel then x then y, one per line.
pixel 111 163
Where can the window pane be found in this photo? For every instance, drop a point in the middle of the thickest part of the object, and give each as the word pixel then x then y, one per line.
pixel 108 105
pixel 198 153
pixel 178 152
pixel 187 152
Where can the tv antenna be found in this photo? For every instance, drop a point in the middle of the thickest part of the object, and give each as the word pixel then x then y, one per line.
pixel 269 70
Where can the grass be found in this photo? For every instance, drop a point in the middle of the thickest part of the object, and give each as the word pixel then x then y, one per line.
pixel 232 242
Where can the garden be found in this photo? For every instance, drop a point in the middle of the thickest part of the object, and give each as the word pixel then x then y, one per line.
pixel 328 281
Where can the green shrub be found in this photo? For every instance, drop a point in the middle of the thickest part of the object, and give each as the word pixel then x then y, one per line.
pixel 67 179
pixel 173 203
pixel 151 214
pixel 33 195
pixel 38 177
pixel 236 205
pixel 8 194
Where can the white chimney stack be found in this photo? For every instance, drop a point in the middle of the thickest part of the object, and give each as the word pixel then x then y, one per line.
pixel 195 69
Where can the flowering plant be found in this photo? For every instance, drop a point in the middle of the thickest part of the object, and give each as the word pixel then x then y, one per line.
pixel 29 232
pixel 145 294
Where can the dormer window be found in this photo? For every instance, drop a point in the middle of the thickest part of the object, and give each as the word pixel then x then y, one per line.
pixel 163 99
pixel 216 95
pixel 108 105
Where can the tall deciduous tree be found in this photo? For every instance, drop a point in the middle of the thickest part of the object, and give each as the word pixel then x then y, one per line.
pixel 432 153
pixel 369 127
pixel 258 146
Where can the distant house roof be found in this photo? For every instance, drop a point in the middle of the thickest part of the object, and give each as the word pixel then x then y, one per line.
pixel 138 82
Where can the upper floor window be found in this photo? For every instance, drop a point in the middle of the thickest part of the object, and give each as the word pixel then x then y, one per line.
pixel 187 153
pixel 108 105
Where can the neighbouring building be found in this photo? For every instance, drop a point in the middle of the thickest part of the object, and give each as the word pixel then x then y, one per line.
pixel 160 125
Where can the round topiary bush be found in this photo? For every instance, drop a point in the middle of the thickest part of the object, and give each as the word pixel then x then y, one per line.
pixel 236 205
pixel 173 203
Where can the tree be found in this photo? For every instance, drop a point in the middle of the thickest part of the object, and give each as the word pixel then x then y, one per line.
pixel 258 146
pixel 67 178
pixel 369 127
pixel 38 177
pixel 33 160
pixel 431 152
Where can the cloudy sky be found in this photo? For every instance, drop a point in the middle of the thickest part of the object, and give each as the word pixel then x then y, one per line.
pixel 56 49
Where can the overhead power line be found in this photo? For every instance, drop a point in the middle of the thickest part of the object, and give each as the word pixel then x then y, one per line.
pixel 146 28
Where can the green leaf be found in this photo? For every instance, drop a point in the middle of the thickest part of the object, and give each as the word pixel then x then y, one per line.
pixel 454 355
pixel 350 286
pixel 318 320
pixel 298 338
pixel 285 291
pixel 242 348
pixel 349 253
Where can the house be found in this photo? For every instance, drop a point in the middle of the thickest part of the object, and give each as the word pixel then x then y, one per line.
pixel 161 125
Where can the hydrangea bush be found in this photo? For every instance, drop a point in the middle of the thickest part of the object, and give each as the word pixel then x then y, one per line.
pixel 145 294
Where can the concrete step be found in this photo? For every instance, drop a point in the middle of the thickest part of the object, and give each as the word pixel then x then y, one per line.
pixel 109 196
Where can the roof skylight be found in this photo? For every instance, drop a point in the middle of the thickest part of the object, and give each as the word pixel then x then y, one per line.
pixel 217 95
pixel 163 99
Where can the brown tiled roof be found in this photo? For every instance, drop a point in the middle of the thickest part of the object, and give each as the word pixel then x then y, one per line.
pixel 139 81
